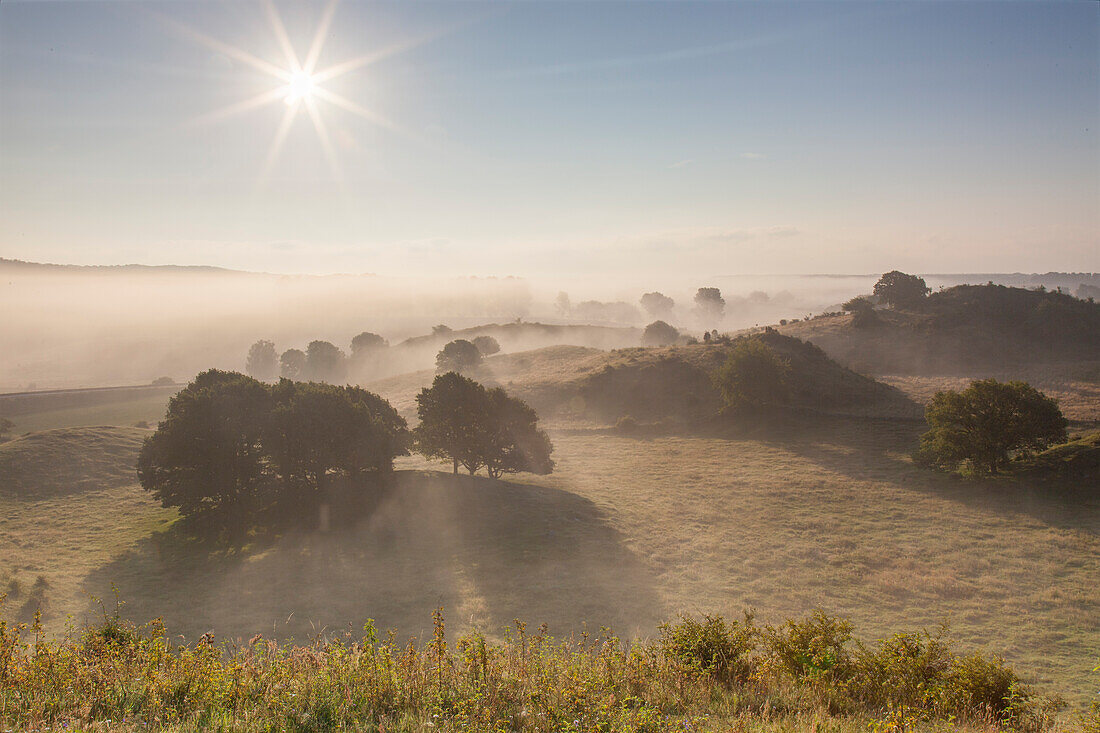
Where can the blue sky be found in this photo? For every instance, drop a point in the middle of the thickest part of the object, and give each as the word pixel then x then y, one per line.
pixel 558 138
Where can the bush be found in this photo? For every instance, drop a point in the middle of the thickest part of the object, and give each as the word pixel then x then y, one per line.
pixel 487 345
pixel 753 375
pixel 712 645
pixel 458 356
pixel 811 649
pixel 626 425
pixel 659 333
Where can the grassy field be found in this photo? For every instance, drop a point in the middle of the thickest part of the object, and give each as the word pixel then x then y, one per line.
pixel 625 533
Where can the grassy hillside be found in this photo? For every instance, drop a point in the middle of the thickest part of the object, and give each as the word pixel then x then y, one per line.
pixel 570 383
pixel 962 329
pixel 34 411
pixel 69 460
pixel 625 532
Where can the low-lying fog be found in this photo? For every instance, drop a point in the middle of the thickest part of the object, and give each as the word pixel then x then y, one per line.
pixel 105 326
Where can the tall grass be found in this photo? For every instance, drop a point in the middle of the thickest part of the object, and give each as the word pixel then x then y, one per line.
pixel 698 675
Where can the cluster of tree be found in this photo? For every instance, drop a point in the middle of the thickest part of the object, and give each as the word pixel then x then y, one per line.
pixel 231 447
pixel 322 361
pixel 987 425
pixel 233 450
pixel 754 375
pixel 468 424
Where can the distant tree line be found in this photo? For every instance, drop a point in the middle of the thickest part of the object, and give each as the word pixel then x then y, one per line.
pixel 322 361
pixel 236 452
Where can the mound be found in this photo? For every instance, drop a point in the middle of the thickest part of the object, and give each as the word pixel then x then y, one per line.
pixel 69 460
pixel 675 382
pixel 964 328
pixel 1077 460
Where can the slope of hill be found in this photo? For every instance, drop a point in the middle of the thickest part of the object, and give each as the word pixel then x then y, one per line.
pixel 963 328
pixel 568 382
pixel 69 460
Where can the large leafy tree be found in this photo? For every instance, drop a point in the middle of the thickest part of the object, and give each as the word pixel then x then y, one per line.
pixel 207 457
pixel 292 364
pixel 316 429
pixel 987 424
pixel 657 305
pixel 475 427
pixel 709 304
pixel 900 290
pixel 659 333
pixel 458 356
pixel 325 362
pixel 367 342
pixel 753 375
pixel 263 362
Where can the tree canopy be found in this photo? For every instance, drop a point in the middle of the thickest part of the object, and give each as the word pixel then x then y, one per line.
pixel 753 375
pixel 292 364
pixel 263 362
pixel 462 421
pixel 231 447
pixel 367 342
pixel 659 333
pixel 863 312
pixel 657 305
pixel 487 345
pixel 987 424
pixel 900 290
pixel 325 362
pixel 709 303
pixel 458 356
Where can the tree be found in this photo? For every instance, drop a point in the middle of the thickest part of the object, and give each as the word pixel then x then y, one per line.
pixel 659 333
pixel 366 343
pixel 753 375
pixel 292 364
pixel 657 305
pixel 464 422
pixel 513 441
pixel 988 423
pixel 863 312
pixel 899 290
pixel 262 363
pixel 452 414
pixel 206 457
pixel 562 305
pixel 5 428
pixel 316 429
pixel 458 356
pixel 710 304
pixel 441 330
pixel 487 345
pixel 325 362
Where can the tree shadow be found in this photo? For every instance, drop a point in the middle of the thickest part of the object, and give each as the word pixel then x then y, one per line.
pixel 487 551
pixel 879 451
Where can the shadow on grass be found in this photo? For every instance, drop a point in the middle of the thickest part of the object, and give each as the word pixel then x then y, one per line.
pixel 488 551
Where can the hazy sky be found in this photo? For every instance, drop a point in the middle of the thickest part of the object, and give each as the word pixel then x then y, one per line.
pixel 554 138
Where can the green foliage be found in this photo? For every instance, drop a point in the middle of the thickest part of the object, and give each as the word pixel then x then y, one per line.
pixel 704 675
pixel 231 446
pixel 713 645
pixel 987 424
pixel 262 363
pixel 753 375
pixel 464 422
pixel 900 290
pixel 659 333
pixel 206 457
pixel 458 356
pixel 812 648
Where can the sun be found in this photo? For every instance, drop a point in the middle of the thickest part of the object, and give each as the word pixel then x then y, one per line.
pixel 300 88
pixel 300 82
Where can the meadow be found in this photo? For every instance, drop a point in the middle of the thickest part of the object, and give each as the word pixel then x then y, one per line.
pixel 625 533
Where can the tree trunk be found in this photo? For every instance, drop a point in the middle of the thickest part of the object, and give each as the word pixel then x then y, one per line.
pixel 456 467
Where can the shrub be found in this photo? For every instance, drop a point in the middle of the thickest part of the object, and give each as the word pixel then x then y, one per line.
pixel 487 345
pixel 812 648
pixel 626 425
pixel 659 333
pixel 713 645
pixel 753 375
